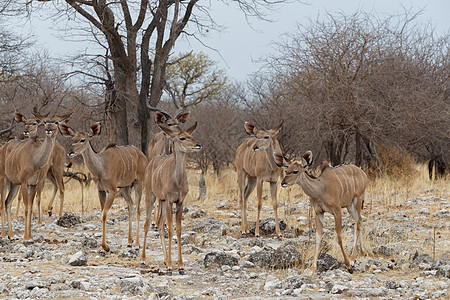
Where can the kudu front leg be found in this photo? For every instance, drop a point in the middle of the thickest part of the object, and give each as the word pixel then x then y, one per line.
pixel 273 192
pixel 169 216
pixel 319 228
pixel 107 205
pixel 178 224
pixel 259 196
pixel 251 183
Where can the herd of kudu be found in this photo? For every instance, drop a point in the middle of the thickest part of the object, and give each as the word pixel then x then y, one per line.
pixel 26 162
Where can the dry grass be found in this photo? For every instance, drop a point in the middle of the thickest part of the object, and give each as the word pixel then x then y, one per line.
pixel 385 196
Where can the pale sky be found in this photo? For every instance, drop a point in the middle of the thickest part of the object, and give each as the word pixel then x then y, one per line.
pixel 240 45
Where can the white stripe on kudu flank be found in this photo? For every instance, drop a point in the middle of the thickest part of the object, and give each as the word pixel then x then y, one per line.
pixel 343 177
pixel 337 176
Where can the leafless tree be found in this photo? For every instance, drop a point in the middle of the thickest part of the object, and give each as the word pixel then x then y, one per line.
pixel 359 81
pixel 140 36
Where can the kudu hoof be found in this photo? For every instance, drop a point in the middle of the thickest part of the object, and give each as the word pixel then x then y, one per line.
pixel 169 272
pixel 350 270
pixel 181 272
pixel 142 265
pixel 50 213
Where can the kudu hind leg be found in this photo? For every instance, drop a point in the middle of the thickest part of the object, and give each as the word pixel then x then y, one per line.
pixel 354 210
pixel 55 189
pixel 149 201
pixel 13 189
pixel 338 223
pixel 138 196
pixel 129 201
pixel 161 220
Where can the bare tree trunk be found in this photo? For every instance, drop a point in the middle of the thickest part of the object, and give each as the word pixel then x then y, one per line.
pixel 358 150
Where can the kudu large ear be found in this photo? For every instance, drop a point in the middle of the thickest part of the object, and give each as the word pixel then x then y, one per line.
pixel 276 129
pixel 160 118
pixel 307 159
pixel 182 117
pixel 250 128
pixel 96 128
pixel 280 160
pixel 64 117
pixel 40 117
pixel 66 130
pixel 191 129
pixel 20 118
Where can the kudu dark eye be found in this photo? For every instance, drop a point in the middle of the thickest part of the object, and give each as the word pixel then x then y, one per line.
pixel 182 138
pixel 82 140
pixel 266 137
pixel 295 172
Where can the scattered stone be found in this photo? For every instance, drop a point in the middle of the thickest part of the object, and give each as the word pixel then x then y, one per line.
pixel 219 259
pixel 199 213
pixel 283 257
pixel 339 289
pixel 129 252
pixel 133 285
pixel 68 220
pixel 326 262
pixel 163 292
pixel 80 284
pixel 383 250
pixel 89 242
pixel 37 283
pixel 78 259
pixel 272 283
pixel 223 206
pixel 267 226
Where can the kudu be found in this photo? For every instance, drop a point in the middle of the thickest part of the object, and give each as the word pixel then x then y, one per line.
pixel 25 164
pixel 161 143
pixel 56 168
pixel 335 188
pixel 166 181
pixel 112 168
pixel 255 164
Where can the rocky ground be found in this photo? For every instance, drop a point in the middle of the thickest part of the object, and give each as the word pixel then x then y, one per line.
pixel 407 258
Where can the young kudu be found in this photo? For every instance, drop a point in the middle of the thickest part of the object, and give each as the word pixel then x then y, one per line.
pixel 255 164
pixel 56 169
pixel 112 168
pixel 166 181
pixel 334 189
pixel 161 143
pixel 25 165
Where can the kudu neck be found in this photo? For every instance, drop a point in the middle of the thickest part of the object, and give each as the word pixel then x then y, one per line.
pixel 311 186
pixel 93 160
pixel 43 152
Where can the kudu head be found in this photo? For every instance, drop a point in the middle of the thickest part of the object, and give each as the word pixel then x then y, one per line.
pixel 164 120
pixel 51 124
pixel 295 169
pixel 264 138
pixel 31 125
pixel 80 140
pixel 183 140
